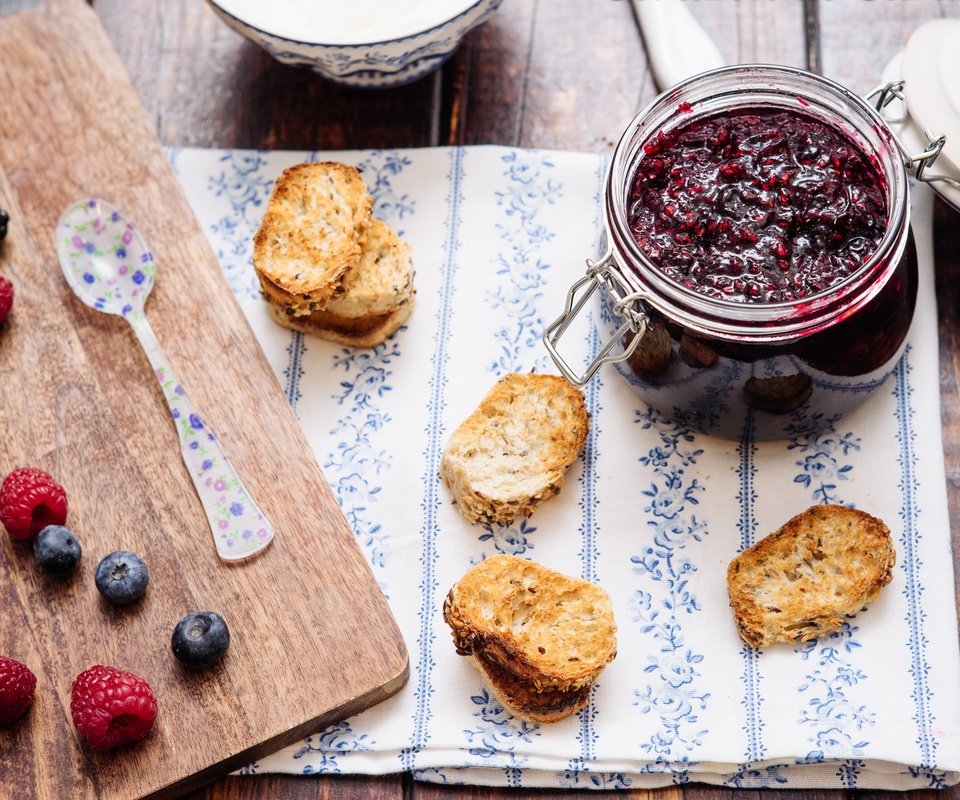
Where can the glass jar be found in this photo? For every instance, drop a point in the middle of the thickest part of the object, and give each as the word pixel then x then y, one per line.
pixel 773 369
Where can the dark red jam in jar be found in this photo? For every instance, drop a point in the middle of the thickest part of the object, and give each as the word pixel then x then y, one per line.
pixel 758 267
pixel 757 205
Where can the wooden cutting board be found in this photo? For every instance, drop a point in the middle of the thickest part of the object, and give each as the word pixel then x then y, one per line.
pixel 312 637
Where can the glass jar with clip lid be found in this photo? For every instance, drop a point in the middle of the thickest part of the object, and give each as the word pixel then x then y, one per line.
pixel 758 271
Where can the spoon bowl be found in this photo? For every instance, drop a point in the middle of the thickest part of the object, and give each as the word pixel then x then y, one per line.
pixel 105 260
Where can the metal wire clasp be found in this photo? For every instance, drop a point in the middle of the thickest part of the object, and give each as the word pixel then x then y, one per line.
pixel 626 305
pixel 883 96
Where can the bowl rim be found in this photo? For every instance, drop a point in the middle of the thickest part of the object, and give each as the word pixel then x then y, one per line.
pixel 352 45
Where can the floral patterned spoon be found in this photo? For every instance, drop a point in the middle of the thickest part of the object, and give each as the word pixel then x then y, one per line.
pixel 108 265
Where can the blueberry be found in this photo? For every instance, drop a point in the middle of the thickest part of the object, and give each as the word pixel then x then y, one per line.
pixel 200 639
pixel 56 550
pixel 4 221
pixel 122 577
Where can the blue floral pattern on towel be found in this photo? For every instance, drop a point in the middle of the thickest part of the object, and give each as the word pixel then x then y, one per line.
pixel 354 468
pixel 822 468
pixel 530 186
pixel 498 731
pixel 837 719
pixel 664 598
pixel 243 182
pixel 514 540
pixel 379 169
pixel 322 749
pixel 754 725
pixel 911 565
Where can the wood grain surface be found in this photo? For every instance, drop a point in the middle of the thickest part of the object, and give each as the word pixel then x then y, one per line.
pixel 313 638
pixel 542 73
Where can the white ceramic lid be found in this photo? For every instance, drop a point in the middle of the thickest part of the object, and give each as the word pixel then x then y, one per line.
pixel 930 68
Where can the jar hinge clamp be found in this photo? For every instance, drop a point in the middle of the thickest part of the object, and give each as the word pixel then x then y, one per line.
pixel 883 96
pixel 626 305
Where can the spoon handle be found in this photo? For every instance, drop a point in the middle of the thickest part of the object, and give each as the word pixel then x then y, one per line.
pixel 239 528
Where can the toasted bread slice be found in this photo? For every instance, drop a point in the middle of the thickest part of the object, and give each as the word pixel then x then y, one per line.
pixel 291 304
pixel 524 701
pixel 511 453
pixel 801 581
pixel 362 332
pixel 312 231
pixel 381 282
pixel 382 279
pixel 547 630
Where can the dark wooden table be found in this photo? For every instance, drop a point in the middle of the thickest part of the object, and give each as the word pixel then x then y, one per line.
pixel 565 74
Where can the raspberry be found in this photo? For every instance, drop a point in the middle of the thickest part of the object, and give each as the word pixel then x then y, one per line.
pixel 16 689
pixel 29 501
pixel 111 707
pixel 6 297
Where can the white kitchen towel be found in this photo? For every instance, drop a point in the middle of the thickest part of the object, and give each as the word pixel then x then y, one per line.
pixel 651 511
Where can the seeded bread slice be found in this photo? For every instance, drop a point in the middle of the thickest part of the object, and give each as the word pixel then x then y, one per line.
pixel 381 281
pixel 362 332
pixel 524 701
pixel 511 453
pixel 291 304
pixel 548 631
pixel 311 233
pixel 801 581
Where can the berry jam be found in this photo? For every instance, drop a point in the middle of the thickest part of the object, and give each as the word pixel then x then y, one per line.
pixel 756 206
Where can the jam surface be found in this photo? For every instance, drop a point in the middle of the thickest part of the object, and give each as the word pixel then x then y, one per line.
pixel 756 206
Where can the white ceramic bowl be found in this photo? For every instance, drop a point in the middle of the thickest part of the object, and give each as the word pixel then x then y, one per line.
pixel 402 53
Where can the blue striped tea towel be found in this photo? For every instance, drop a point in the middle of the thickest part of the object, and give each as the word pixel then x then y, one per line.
pixel 651 511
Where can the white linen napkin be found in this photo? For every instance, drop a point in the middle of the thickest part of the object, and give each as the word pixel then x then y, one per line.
pixel 651 511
